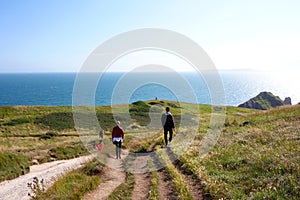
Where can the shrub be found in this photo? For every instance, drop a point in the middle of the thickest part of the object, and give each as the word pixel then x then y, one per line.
pixel 13 165
pixel 56 121
pixel 17 121
pixel 67 152
pixel 139 111
pixel 37 188
pixel 48 135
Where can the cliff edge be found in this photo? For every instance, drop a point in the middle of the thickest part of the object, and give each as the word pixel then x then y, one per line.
pixel 265 101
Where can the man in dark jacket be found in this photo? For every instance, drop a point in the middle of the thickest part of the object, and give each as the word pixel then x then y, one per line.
pixel 117 139
pixel 167 121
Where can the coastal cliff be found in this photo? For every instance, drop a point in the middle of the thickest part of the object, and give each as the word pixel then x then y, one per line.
pixel 265 101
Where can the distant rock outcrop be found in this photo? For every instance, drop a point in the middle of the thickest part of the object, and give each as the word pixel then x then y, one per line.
pixel 287 101
pixel 264 101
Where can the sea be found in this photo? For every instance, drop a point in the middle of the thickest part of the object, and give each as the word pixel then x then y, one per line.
pixel 66 89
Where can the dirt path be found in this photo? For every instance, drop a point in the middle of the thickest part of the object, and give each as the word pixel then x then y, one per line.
pixel 113 175
pixel 193 184
pixel 110 180
pixel 141 186
pixel 165 186
pixel 17 188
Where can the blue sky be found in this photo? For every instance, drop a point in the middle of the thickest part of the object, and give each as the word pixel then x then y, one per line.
pixel 57 36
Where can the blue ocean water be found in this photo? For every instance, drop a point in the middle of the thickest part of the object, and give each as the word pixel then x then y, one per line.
pixel 56 89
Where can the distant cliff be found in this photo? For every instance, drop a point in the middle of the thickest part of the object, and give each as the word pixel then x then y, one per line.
pixel 265 101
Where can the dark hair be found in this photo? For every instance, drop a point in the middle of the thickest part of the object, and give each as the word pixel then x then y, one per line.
pixel 167 109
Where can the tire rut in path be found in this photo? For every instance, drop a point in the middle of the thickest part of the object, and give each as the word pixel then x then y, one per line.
pixel 166 188
pixel 194 185
pixel 141 186
pixel 110 180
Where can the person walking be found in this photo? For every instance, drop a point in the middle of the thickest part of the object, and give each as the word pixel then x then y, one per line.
pixel 117 138
pixel 167 121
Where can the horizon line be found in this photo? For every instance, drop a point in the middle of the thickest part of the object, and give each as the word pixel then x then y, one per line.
pixel 188 71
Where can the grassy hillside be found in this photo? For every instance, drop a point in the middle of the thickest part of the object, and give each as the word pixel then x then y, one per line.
pixel 259 159
pixel 37 134
pixel 257 155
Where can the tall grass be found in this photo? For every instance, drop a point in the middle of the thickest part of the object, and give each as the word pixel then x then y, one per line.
pixel 257 161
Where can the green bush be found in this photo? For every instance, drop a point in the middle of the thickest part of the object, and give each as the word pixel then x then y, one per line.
pixel 67 152
pixel 139 106
pixel 139 111
pixel 92 168
pixel 13 165
pixel 48 135
pixel 106 120
pixel 17 121
pixel 56 121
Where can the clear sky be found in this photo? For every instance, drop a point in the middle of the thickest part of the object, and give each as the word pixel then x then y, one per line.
pixel 57 36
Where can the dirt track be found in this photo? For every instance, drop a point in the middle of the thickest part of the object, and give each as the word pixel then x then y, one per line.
pixel 17 188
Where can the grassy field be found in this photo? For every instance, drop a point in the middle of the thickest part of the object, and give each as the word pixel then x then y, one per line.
pixel 37 134
pixel 257 155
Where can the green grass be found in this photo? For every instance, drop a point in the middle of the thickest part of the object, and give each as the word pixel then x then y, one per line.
pixel 47 133
pixel 74 184
pixel 256 161
pixel 66 152
pixel 56 121
pixel 13 165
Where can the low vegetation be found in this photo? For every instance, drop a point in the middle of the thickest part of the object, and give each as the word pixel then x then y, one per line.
pixel 13 165
pixel 66 152
pixel 254 160
pixel 72 185
pixel 256 156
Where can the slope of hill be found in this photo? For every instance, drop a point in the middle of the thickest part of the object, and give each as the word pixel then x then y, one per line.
pixel 264 101
pixel 259 159
pixel 256 156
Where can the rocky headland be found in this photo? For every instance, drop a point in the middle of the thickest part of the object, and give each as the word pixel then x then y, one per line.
pixel 265 101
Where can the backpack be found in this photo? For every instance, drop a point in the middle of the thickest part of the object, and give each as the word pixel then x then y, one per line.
pixel 169 121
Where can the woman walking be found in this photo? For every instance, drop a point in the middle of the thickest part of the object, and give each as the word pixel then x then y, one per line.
pixel 117 138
